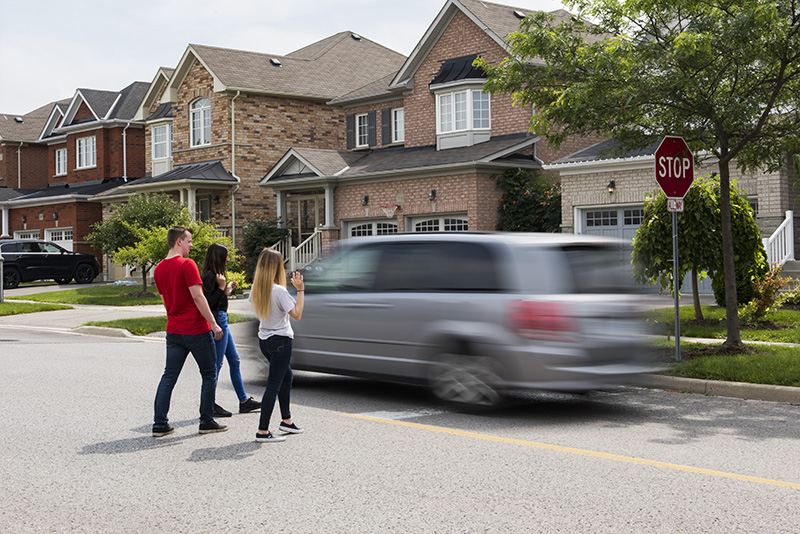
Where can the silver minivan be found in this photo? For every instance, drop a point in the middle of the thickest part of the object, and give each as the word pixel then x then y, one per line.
pixel 474 315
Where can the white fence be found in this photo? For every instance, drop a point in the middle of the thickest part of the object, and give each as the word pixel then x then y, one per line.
pixel 298 257
pixel 780 245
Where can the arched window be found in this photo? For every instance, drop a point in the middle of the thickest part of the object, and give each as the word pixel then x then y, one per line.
pixel 200 121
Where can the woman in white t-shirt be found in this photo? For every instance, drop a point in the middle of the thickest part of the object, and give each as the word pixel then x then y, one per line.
pixel 274 305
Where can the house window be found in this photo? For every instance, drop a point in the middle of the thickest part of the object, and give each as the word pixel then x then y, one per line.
pixel 87 156
pixel 633 216
pixel 162 141
pixel 601 218
pixel 362 130
pixel 455 109
pixel 373 228
pixel 203 209
pixel 61 161
pixel 398 125
pixel 200 118
pixel 438 224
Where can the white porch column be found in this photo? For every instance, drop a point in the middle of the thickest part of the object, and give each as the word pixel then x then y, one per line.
pixel 329 223
pixel 5 223
pixel 281 209
pixel 191 202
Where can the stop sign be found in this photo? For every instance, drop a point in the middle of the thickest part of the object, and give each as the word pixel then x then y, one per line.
pixel 674 167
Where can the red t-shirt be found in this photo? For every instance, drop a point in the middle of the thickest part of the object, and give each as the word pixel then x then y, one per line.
pixel 173 277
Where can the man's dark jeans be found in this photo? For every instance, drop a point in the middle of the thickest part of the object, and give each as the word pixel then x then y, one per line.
pixel 205 354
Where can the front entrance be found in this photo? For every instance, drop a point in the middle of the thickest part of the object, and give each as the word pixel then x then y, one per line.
pixel 304 213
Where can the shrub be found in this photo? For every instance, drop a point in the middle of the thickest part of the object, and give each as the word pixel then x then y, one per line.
pixel 259 233
pixel 241 281
pixel 766 293
pixel 528 204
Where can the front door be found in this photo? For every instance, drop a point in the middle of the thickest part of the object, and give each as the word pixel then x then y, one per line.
pixel 304 213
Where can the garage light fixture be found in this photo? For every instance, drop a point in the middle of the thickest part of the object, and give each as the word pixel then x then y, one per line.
pixel 612 186
pixel 24 219
pixel 365 200
pixel 55 215
pixel 432 195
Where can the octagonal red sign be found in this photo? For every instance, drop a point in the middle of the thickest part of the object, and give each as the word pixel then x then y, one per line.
pixel 674 167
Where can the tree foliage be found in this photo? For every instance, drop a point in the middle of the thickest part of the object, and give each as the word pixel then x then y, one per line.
pixel 699 239
pixel 258 233
pixel 723 74
pixel 528 204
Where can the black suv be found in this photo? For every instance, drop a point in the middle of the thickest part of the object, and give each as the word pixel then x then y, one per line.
pixel 25 260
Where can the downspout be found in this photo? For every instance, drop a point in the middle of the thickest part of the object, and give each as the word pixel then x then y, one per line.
pixel 19 166
pixel 233 167
pixel 125 153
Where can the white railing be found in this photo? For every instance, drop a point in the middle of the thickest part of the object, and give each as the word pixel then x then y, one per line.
pixel 306 252
pixel 780 245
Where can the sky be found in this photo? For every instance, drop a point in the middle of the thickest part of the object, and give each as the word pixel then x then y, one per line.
pixel 49 48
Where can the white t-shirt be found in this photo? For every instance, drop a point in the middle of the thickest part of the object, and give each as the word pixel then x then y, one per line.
pixel 277 324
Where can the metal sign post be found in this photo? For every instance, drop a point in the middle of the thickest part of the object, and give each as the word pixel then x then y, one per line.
pixel 675 173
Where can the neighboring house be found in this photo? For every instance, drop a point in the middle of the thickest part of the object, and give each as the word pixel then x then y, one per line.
pixel 423 145
pixel 90 144
pixel 603 192
pixel 23 160
pixel 222 118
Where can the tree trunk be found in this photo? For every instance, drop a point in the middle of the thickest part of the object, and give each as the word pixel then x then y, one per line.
pixel 144 278
pixel 698 311
pixel 731 302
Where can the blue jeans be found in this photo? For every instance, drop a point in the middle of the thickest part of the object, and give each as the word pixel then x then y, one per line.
pixel 278 351
pixel 226 349
pixel 178 348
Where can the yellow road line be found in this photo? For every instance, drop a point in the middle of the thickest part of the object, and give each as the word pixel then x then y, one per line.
pixel 584 452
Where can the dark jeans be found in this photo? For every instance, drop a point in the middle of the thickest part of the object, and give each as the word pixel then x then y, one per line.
pixel 278 351
pixel 178 348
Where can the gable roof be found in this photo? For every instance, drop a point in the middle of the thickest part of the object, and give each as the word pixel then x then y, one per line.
pixel 497 20
pixel 343 165
pixel 154 90
pixel 322 70
pixel 11 129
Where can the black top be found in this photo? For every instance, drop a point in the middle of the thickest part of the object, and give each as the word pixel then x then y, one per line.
pixel 216 297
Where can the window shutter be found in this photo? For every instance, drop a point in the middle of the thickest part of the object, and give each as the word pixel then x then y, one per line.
pixel 372 134
pixel 386 126
pixel 350 125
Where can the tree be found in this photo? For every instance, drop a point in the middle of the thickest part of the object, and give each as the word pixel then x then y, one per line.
pixel 528 204
pixel 124 228
pixel 723 74
pixel 699 238
pixel 151 246
pixel 258 233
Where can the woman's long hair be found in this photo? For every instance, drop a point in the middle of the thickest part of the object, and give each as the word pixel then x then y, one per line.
pixel 269 270
pixel 215 261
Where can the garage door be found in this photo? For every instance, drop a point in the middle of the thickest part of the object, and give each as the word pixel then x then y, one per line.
pixel 369 228
pixel 440 223
pixel 60 236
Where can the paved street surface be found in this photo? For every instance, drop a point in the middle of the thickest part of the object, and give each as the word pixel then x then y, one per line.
pixel 77 454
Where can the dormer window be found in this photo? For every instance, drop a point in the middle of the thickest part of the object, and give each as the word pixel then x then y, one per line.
pixel 200 119
pixel 462 118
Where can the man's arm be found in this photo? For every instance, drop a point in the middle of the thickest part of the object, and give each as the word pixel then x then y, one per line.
pixel 202 305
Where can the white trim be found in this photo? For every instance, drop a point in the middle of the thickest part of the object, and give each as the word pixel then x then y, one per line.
pixel 63 165
pixel 88 162
pixel 202 112
pixel 393 124
pixel 357 119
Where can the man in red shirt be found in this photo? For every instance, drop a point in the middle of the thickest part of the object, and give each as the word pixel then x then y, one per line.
pixel 188 318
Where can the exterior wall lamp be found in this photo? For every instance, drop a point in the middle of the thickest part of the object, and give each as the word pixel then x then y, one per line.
pixel 365 200
pixel 24 219
pixel 55 216
pixel 612 186
pixel 432 195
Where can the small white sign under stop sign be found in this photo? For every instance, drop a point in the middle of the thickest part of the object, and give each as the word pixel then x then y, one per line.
pixel 675 204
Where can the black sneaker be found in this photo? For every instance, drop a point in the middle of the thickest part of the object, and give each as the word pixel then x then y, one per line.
pixel 160 431
pixel 291 428
pixel 219 411
pixel 249 405
pixel 268 437
pixel 213 426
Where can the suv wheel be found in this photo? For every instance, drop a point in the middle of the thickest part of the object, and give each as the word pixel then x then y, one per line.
pixel 465 380
pixel 84 273
pixel 11 278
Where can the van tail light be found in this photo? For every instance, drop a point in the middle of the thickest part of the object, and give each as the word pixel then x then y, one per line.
pixel 543 320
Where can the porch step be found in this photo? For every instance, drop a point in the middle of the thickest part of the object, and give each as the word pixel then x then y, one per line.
pixel 791 269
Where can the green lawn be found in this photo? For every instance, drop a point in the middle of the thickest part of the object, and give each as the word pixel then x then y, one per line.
pixel 17 308
pixel 102 295
pixel 141 326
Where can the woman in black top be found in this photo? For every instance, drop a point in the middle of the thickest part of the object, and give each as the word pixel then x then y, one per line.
pixel 216 291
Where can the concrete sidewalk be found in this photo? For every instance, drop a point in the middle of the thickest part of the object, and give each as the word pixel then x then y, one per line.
pixel 71 320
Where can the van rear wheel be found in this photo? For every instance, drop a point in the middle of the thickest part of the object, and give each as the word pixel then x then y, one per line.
pixel 465 380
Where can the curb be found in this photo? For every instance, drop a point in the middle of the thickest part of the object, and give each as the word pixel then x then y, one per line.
pixel 717 388
pixel 103 331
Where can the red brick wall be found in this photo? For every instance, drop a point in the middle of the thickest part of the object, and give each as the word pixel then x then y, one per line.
pixel 110 150
pixel 377 108
pixel 31 174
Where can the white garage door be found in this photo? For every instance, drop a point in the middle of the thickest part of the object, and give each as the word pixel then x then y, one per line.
pixel 60 236
pixel 368 228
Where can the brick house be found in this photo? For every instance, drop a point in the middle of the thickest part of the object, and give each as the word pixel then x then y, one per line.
pixel 423 141
pixel 218 121
pixel 84 146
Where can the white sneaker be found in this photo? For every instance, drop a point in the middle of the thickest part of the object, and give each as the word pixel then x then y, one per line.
pixel 291 428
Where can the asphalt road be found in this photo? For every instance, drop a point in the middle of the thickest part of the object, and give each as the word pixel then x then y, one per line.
pixel 77 455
